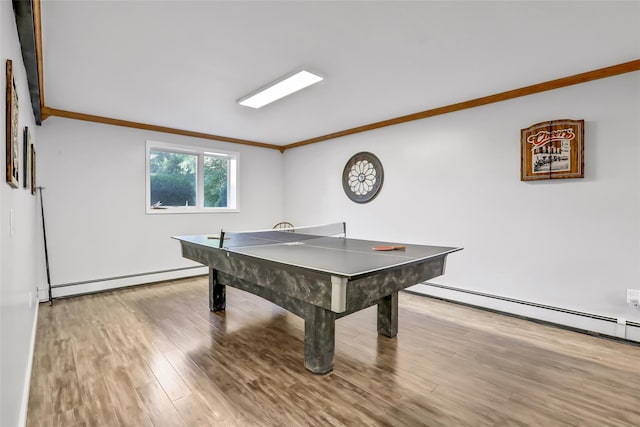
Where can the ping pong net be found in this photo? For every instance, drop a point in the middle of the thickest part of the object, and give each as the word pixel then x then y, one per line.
pixel 231 239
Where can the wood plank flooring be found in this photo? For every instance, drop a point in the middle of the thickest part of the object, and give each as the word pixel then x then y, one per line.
pixel 155 356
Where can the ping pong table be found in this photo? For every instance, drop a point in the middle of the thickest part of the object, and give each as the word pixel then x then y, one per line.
pixel 316 275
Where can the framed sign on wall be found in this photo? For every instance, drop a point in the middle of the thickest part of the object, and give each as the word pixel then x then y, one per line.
pixel 33 170
pixel 26 159
pixel 552 150
pixel 13 148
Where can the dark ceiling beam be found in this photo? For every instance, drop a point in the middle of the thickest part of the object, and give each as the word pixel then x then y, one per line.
pixel 37 26
pixel 23 11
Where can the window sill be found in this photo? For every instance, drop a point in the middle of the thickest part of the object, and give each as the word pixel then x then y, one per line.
pixel 185 210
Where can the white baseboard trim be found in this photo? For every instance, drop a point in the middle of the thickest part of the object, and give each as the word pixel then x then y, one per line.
pixel 99 285
pixel 585 322
pixel 24 405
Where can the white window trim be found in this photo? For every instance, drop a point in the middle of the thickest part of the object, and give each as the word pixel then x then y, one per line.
pixel 200 150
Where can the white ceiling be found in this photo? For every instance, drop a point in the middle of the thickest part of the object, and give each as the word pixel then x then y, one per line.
pixel 183 64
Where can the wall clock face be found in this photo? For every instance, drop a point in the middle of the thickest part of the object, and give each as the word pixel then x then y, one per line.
pixel 362 177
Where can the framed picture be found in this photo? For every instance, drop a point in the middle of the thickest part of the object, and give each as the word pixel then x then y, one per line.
pixel 13 150
pixel 33 170
pixel 552 150
pixel 26 159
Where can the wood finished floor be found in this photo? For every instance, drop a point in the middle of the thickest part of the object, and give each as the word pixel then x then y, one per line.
pixel 155 355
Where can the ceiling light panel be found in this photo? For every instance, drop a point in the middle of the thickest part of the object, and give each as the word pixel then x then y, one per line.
pixel 280 88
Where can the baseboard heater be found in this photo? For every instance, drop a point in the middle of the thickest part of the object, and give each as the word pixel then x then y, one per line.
pixel 438 291
pixel 108 283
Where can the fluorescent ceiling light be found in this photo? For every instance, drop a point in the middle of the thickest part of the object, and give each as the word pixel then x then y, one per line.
pixel 280 89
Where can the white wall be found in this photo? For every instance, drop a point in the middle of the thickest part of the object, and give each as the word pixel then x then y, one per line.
pixel 94 200
pixel 19 260
pixel 455 180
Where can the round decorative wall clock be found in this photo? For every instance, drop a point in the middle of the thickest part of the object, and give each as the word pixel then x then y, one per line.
pixel 362 177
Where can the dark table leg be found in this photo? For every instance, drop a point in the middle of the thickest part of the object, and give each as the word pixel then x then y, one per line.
pixel 217 292
pixel 319 339
pixel 388 315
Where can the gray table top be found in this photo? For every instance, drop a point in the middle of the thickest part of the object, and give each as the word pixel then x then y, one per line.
pixel 332 255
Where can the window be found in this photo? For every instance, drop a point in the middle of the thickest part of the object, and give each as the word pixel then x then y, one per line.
pixel 190 179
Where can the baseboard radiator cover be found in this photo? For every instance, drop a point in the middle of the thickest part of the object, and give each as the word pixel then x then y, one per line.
pixel 106 284
pixel 578 321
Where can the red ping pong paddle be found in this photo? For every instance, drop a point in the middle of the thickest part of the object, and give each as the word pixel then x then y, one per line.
pixel 390 248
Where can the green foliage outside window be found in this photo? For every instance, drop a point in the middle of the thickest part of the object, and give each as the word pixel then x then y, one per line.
pixel 173 179
pixel 215 182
